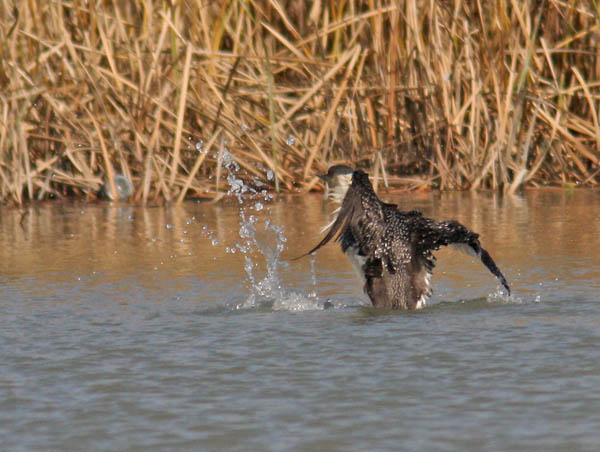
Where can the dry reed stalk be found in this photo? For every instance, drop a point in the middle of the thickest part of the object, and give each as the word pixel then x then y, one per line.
pixel 373 135
pixel 272 124
pixel 451 94
pixel 181 112
pixel 331 112
pixel 203 153
pixel 108 165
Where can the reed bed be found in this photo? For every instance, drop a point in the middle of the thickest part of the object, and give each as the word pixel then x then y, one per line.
pixel 172 94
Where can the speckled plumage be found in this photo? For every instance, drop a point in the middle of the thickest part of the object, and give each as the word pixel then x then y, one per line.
pixel 393 248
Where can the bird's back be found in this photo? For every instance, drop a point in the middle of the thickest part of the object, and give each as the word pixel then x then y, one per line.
pixel 395 275
pixel 398 274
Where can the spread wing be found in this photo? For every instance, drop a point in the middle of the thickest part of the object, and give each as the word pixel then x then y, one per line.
pixel 360 215
pixel 433 234
pixel 349 209
pixel 400 276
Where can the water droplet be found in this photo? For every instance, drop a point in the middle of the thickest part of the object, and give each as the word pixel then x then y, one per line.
pixel 214 242
pixel 290 140
pixel 270 174
pixel 169 226
pixel 245 231
pixel 229 162
pixel 258 206
pixel 237 185
pixel 200 146
pixel 245 127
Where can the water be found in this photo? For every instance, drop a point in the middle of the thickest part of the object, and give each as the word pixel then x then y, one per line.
pixel 125 328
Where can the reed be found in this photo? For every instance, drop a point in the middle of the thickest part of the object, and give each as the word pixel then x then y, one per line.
pixel 425 94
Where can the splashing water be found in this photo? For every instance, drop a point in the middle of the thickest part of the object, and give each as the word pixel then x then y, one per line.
pixel 261 238
pixel 313 275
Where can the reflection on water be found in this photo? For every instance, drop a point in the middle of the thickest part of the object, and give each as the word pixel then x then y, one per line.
pixel 542 239
pixel 179 327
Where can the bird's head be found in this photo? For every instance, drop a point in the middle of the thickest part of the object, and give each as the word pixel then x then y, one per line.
pixel 337 181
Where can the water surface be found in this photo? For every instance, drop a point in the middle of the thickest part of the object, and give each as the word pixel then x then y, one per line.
pixel 129 328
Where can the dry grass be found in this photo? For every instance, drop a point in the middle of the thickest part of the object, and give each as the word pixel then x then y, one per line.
pixel 447 94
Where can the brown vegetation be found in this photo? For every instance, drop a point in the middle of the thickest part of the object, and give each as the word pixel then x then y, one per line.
pixel 447 94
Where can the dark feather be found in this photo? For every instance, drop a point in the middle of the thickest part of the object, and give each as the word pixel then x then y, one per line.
pixel 491 265
pixel 434 234
pixel 346 212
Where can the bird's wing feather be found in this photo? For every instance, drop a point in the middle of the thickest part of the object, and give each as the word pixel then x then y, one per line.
pixel 434 234
pixel 346 212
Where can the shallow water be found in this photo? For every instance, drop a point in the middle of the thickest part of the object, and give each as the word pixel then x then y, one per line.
pixel 126 328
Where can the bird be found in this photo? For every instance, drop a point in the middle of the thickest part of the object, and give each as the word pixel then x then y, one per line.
pixel 391 249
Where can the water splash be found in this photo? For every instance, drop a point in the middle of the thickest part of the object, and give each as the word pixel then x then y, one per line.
pixel 313 275
pixel 260 239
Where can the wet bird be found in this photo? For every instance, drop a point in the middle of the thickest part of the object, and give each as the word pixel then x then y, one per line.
pixel 391 249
